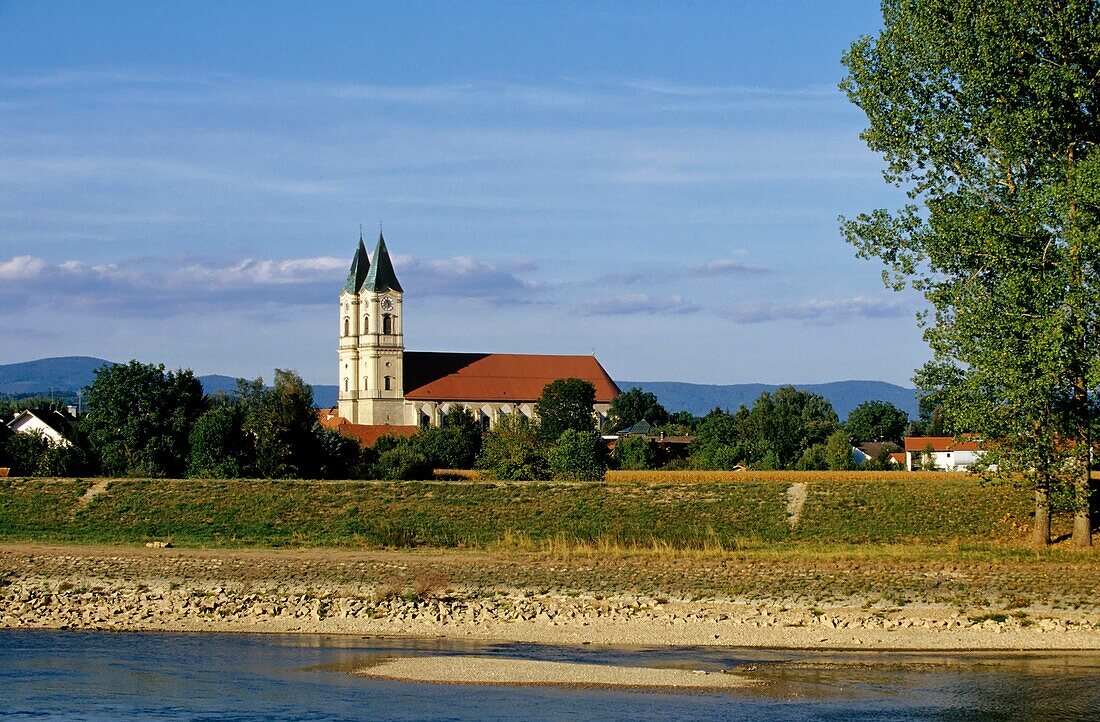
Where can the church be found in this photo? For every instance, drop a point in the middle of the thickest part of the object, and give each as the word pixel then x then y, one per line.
pixel 385 389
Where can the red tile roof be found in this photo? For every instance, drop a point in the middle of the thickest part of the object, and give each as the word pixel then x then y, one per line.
pixel 939 443
pixel 431 376
pixel 365 434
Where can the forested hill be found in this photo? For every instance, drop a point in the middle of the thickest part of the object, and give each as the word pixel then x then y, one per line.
pixel 64 376
pixel 843 395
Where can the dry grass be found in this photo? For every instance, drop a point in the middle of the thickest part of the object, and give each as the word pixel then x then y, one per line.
pixel 710 477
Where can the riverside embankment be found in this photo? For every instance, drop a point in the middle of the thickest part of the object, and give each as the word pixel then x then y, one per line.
pixel 976 604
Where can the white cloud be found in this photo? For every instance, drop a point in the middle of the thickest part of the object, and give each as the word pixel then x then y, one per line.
pixel 826 311
pixel 21 267
pixel 636 304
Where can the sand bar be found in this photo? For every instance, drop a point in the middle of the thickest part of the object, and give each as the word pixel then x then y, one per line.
pixel 525 672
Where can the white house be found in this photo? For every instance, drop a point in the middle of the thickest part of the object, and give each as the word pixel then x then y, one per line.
pixel 54 425
pixel 943 451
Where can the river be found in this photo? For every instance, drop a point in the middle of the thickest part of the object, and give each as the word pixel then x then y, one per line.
pixel 47 675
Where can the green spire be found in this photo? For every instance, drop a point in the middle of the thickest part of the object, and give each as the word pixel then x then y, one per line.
pixel 381 277
pixel 360 266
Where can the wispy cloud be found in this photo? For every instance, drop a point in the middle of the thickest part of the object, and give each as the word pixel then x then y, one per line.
pixel 825 311
pixel 150 286
pixel 632 304
pixel 468 278
pixel 728 266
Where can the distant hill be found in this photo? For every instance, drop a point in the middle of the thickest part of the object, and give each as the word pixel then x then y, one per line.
pixel 66 375
pixel 63 376
pixel 843 395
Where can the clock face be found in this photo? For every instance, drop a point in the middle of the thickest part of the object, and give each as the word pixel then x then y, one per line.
pixel 387 304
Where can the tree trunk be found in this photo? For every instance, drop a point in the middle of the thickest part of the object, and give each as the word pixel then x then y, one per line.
pixel 1040 532
pixel 1082 515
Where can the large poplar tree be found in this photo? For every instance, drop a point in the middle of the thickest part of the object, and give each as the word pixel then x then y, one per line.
pixel 985 112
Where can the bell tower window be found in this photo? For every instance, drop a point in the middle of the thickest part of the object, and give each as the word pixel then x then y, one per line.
pixel 388 382
pixel 347 326
pixel 387 323
pixel 366 324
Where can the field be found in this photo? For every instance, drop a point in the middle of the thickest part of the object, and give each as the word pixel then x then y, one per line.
pixel 759 511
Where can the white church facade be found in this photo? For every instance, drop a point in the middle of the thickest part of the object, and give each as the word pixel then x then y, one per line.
pixel 382 385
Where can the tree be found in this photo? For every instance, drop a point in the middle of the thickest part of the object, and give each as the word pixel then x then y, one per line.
pixel 565 404
pixel 220 448
pixel 838 451
pixel 578 456
pixel 986 113
pixel 781 425
pixel 632 406
pixel 454 445
pixel 283 426
pixel 512 450
pixel 877 421
pixel 634 453
pixel 716 444
pixel 139 419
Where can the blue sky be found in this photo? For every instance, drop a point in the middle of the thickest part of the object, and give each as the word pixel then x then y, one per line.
pixel 655 182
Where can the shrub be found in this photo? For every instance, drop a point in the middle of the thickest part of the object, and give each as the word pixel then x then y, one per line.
pixel 633 452
pixel 578 456
pixel 512 451
pixel 402 463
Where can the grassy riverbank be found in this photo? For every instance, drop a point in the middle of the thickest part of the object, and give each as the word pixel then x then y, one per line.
pixel 678 515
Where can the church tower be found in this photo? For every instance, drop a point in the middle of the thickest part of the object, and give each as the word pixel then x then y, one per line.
pixel 372 345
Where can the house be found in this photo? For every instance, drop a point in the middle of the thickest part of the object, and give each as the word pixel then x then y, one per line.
pixel 941 452
pixel 55 425
pixel 383 385
pixel 874 450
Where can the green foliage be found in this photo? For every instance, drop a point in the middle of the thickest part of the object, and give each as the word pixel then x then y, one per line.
pixel 773 434
pixel 282 424
pixel 632 406
pixel 877 421
pixel 565 404
pixel 815 458
pixel 33 454
pixel 632 452
pixel 219 446
pixel 402 463
pixel 455 445
pixel 339 457
pixel 139 418
pixel 986 112
pixel 838 451
pixel 513 450
pixel 578 456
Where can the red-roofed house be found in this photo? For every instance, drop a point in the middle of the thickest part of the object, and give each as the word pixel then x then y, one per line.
pixel 381 384
pixel 945 452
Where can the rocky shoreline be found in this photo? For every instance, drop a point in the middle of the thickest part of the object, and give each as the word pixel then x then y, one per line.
pixel 123 597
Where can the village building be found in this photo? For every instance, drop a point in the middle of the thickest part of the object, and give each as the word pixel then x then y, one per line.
pixel 54 425
pixel 385 389
pixel 940 452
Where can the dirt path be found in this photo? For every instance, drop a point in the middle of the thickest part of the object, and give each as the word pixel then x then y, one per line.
pixel 93 491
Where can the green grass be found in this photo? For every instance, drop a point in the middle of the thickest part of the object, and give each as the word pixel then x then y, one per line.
pixel 483 514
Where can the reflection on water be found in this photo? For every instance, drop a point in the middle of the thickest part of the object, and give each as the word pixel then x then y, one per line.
pixel 130 676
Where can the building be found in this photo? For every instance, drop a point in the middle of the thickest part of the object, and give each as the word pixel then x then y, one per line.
pixel 943 452
pixel 382 384
pixel 873 451
pixel 54 425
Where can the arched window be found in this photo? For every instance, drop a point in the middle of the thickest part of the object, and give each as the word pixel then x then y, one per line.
pixel 366 324
pixel 365 384
pixel 387 380
pixel 347 326
pixel 387 323
pixel 345 384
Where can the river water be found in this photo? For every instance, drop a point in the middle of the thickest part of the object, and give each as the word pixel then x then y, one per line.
pixel 47 675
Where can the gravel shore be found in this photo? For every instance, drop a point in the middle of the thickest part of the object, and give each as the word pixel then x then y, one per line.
pixel 344 592
pixel 497 671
